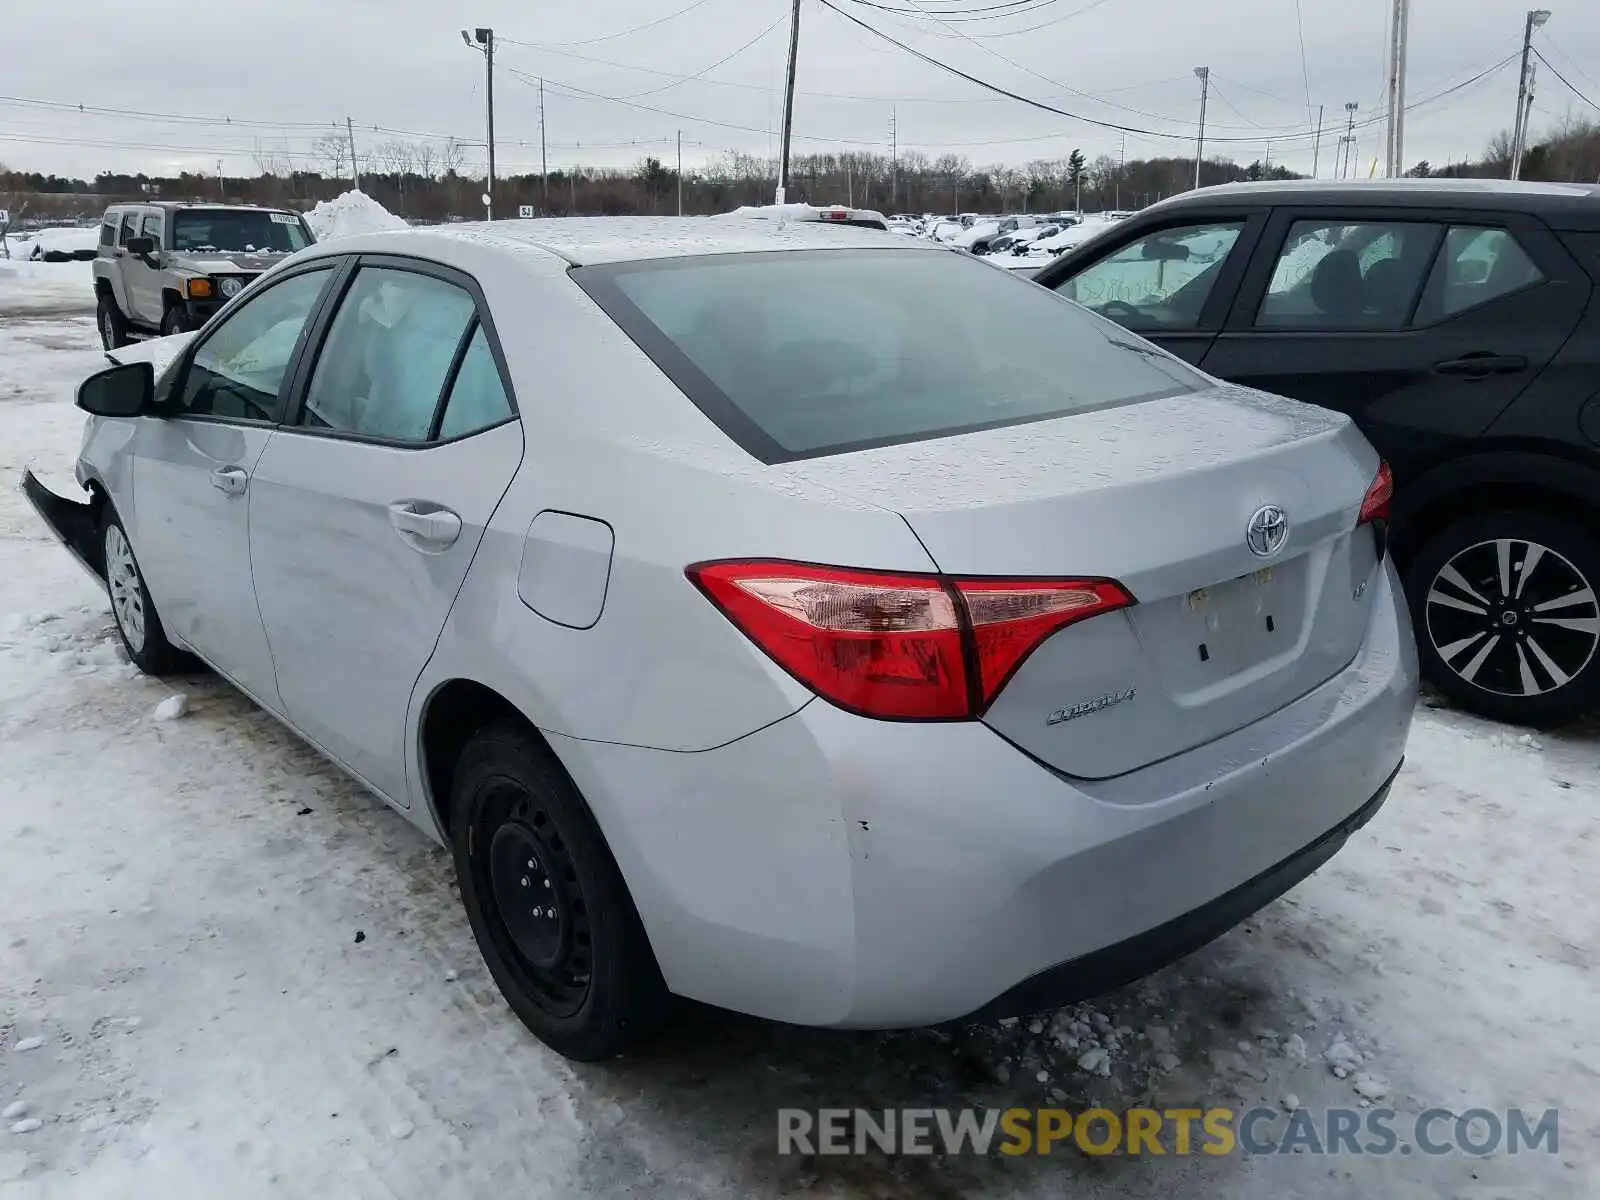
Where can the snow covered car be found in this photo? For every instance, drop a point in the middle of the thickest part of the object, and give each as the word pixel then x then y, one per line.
pixel 55 245
pixel 765 614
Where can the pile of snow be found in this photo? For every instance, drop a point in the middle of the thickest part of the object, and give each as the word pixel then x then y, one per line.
pixel 352 213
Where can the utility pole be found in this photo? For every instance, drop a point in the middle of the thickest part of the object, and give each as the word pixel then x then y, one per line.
pixel 355 171
pixel 788 103
pixel 544 158
pixel 849 182
pixel 1122 165
pixel 1266 163
pixel 680 172
pixel 1395 124
pixel 1519 136
pixel 572 181
pixel 1203 74
pixel 1316 147
pixel 222 192
pixel 1347 143
pixel 483 40
pixel 894 161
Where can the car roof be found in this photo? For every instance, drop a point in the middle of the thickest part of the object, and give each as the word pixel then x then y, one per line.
pixel 1494 194
pixel 588 241
pixel 193 206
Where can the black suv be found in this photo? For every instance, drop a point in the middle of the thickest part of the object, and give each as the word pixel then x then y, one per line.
pixel 1458 323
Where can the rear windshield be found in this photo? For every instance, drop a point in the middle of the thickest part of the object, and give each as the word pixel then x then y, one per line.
pixel 804 353
pixel 239 232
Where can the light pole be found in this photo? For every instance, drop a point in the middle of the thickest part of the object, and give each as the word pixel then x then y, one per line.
pixel 1203 74
pixel 1519 135
pixel 483 40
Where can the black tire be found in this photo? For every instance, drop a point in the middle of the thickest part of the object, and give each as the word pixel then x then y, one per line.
pixel 1501 655
pixel 583 980
pixel 174 320
pixel 113 325
pixel 138 623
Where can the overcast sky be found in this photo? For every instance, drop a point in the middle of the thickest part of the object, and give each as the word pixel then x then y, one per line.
pixel 281 68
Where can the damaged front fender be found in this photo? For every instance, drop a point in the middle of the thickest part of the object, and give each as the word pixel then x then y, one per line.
pixel 72 521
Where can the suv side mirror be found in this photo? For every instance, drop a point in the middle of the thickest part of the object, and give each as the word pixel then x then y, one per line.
pixel 141 246
pixel 125 390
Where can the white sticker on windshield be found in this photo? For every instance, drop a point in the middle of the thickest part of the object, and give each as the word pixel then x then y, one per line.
pixel 284 218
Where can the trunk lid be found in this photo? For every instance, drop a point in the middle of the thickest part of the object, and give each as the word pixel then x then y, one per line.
pixel 1159 496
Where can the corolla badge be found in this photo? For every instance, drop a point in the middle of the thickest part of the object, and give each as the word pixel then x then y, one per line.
pixel 1073 711
pixel 1267 531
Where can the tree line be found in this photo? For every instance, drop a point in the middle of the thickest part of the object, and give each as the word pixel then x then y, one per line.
pixel 428 181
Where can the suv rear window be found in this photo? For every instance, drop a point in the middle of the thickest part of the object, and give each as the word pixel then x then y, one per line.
pixel 800 354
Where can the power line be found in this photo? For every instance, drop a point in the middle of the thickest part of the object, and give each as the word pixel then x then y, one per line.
pixel 609 37
pixel 1566 58
pixel 707 70
pixel 1566 81
pixel 1305 70
pixel 1016 8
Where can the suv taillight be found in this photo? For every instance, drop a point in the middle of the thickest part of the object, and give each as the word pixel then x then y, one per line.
pixel 898 646
pixel 1375 504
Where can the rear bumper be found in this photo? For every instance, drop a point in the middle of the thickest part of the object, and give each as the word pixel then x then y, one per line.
pixel 1112 966
pixel 833 870
pixel 72 521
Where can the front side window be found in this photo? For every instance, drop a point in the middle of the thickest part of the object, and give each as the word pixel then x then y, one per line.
pixel 1475 265
pixel 152 228
pixel 130 225
pixel 802 353
pixel 388 355
pixel 1347 275
pixel 1160 281
pixel 238 371
pixel 237 231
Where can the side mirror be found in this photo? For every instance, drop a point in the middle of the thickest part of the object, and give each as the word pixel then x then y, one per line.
pixel 126 390
pixel 141 246
pixel 1160 250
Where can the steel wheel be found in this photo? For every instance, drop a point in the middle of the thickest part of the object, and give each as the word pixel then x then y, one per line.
pixel 538 917
pixel 108 328
pixel 1513 617
pixel 127 592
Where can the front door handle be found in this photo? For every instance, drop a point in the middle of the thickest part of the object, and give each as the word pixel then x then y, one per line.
pixel 424 526
pixel 1481 366
pixel 232 480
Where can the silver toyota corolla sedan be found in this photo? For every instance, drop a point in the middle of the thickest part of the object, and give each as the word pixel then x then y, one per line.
pixel 807 621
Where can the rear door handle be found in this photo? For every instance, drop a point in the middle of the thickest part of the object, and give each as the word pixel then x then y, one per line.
pixel 424 526
pixel 1482 365
pixel 232 480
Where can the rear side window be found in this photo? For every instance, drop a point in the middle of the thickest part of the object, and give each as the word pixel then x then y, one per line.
pixel 805 353
pixel 108 232
pixel 1348 275
pixel 388 354
pixel 477 397
pixel 1474 266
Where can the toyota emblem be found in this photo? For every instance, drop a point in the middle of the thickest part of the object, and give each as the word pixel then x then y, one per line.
pixel 1268 531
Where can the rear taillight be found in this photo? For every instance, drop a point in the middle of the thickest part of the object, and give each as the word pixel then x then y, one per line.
pixel 1375 505
pixel 898 646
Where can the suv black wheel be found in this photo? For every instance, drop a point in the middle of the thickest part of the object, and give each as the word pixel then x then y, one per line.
pixel 1507 617
pixel 131 607
pixel 174 320
pixel 548 906
pixel 113 326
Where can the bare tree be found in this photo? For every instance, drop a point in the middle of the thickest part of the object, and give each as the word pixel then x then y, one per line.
pixel 423 155
pixel 333 151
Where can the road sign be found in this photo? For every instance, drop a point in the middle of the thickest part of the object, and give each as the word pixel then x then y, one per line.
pixel 525 210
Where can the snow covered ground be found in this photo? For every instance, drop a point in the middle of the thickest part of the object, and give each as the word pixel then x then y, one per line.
pixel 226 971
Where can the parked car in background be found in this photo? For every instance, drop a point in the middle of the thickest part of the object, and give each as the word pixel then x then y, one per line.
pixel 1457 322
pixel 166 267
pixel 933 606
pixel 53 244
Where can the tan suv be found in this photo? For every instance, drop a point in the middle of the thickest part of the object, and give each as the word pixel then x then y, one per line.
pixel 165 267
